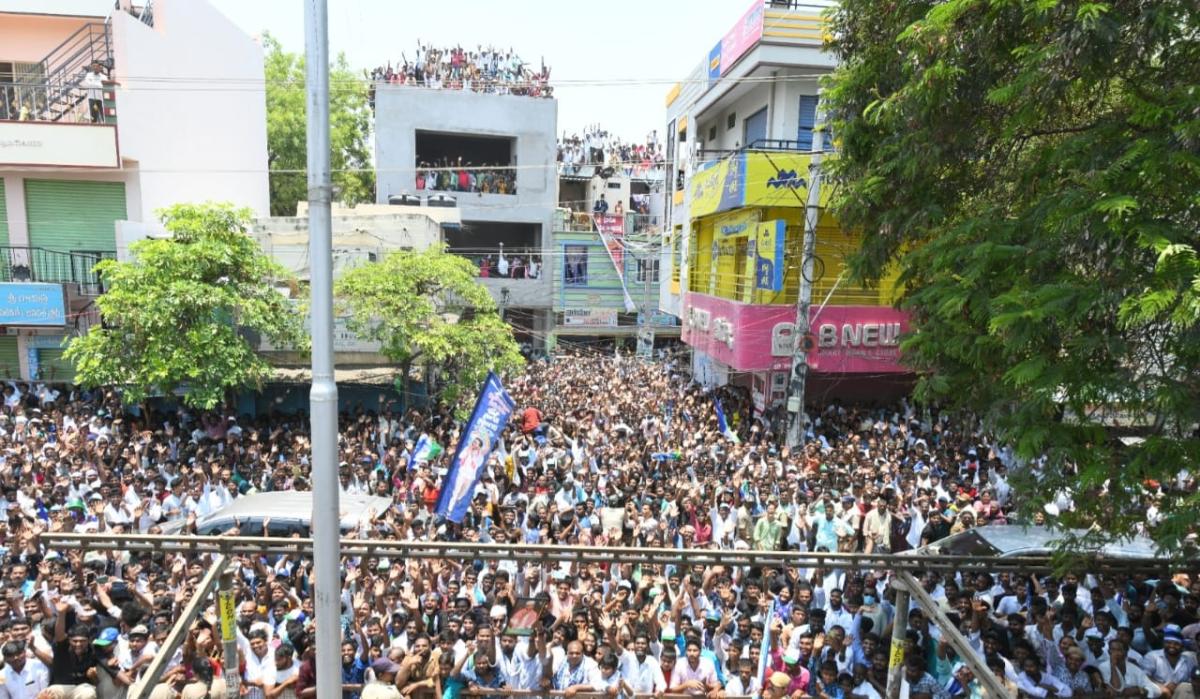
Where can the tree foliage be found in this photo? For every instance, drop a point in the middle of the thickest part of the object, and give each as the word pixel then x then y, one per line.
pixel 427 309
pixel 1034 167
pixel 287 114
pixel 176 314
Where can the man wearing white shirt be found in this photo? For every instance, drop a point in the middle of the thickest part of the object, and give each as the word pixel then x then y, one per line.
pixel 1036 683
pixel 24 677
pixel 640 669
pixel 1126 678
pixel 836 613
pixel 260 666
pixel 744 683
pixel 1169 666
pixel 172 505
pixel 519 667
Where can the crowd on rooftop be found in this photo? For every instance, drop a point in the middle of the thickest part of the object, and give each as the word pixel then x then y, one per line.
pixel 489 69
pixel 598 148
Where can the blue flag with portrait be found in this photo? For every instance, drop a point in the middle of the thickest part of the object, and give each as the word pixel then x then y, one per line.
pixel 492 412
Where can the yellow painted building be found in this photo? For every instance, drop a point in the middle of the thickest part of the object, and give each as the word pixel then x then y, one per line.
pixel 730 199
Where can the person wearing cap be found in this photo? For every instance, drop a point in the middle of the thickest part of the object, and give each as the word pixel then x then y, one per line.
pixel 134 652
pixel 777 686
pixel 74 657
pixel 1169 666
pixel 110 678
pixel 23 677
pixel 1093 650
pixel 383 682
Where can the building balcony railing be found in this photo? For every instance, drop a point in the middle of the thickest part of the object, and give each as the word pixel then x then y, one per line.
pixel 35 264
pixel 58 126
pixel 478 180
pixel 705 155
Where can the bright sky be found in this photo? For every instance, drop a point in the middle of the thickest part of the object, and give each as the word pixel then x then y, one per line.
pixel 636 49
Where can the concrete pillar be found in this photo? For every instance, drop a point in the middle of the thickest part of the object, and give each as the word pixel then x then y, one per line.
pixel 23 351
pixel 14 201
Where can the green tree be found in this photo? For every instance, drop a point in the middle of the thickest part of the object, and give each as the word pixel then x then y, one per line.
pixel 176 314
pixel 287 114
pixel 428 310
pixel 1033 167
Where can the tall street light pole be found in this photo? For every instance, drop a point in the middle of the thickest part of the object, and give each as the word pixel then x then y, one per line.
pixel 323 397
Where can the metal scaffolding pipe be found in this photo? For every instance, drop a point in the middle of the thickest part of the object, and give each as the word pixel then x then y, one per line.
pixel 230 545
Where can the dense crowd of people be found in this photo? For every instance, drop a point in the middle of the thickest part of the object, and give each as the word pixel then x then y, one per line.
pixel 595 147
pixel 602 451
pixel 446 175
pixel 506 263
pixel 486 69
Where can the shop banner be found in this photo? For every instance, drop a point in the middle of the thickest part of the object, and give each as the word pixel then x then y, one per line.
pixel 753 178
pixel 744 35
pixel 488 420
pixel 589 317
pixel 857 339
pixel 756 337
pixel 770 237
pixel 611 228
pixel 32 304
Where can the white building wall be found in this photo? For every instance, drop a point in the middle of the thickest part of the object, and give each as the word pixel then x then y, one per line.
pixel 191 108
pixel 402 111
pixel 730 138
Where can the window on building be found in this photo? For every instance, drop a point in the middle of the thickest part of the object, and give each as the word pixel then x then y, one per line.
pixel 676 253
pixel 575 265
pixel 730 121
pixel 458 162
pixel 694 282
pixel 712 134
pixel 647 267
pixel 808 121
pixel 754 128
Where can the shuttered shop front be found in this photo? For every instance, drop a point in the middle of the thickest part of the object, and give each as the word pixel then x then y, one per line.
pixel 53 367
pixel 3 217
pixel 74 216
pixel 10 361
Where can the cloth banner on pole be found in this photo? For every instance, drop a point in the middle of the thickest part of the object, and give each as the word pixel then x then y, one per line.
pixel 491 415
pixel 611 228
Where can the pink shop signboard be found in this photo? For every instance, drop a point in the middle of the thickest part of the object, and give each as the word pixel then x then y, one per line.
pixel 849 339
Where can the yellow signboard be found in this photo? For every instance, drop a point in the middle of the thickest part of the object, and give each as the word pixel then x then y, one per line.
pixel 735 224
pixel 707 187
pixel 752 178
pixel 228 617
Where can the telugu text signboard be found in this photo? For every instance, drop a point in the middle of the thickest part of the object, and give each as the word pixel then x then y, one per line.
pixel 32 304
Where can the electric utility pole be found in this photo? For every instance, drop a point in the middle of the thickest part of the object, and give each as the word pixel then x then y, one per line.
pixel 812 212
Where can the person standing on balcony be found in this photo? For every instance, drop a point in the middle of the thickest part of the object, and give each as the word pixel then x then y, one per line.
pixel 93 82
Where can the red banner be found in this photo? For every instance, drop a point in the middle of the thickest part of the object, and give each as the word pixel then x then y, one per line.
pixel 611 228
